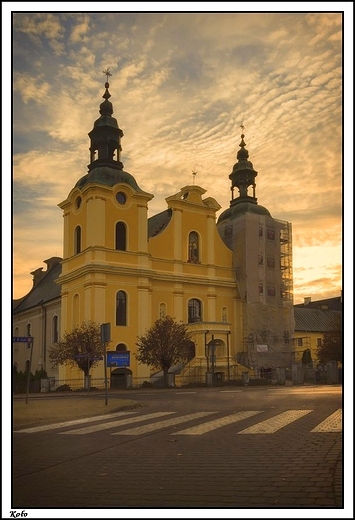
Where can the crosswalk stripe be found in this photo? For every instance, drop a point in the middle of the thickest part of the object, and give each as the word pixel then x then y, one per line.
pixel 45 427
pixel 217 423
pixel 113 424
pixel 277 422
pixel 162 424
pixel 331 423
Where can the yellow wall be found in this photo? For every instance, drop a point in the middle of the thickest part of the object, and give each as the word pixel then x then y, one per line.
pixel 150 272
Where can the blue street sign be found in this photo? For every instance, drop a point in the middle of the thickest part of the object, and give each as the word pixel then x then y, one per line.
pixel 118 359
pixel 24 339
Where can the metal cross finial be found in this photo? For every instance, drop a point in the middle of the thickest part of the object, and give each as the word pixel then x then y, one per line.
pixel 108 73
pixel 242 127
pixel 194 173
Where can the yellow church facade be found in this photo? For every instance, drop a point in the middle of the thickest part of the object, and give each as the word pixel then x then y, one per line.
pixel 227 277
pixel 123 268
pixel 172 264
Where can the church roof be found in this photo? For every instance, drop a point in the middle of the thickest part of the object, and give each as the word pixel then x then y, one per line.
pixel 158 223
pixel 45 291
pixel 241 208
pixel 108 176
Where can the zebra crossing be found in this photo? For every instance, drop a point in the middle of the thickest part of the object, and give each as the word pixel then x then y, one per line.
pixel 152 422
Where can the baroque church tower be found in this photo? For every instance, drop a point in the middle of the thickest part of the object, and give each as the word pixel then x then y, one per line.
pixel 105 238
pixel 123 268
pixel 262 261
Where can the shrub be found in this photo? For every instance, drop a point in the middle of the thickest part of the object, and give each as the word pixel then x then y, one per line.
pixel 63 388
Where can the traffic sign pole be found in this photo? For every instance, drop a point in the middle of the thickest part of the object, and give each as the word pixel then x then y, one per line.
pixel 105 368
pixel 29 372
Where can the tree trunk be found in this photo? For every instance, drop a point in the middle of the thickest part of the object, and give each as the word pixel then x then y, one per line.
pixel 166 382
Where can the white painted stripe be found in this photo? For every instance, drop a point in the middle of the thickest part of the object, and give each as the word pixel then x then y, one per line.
pixel 45 427
pixel 162 424
pixel 113 424
pixel 331 423
pixel 276 423
pixel 217 423
pixel 230 391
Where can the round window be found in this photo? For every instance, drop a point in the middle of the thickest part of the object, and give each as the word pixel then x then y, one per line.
pixel 121 197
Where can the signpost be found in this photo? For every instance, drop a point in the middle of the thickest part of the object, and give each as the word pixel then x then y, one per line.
pixel 118 359
pixel 105 330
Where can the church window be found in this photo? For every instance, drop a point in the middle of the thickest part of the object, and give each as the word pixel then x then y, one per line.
pixel 162 310
pixel 261 232
pixel 121 347
pixel 121 236
pixel 121 308
pixel 271 262
pixel 78 202
pixel 271 234
pixel 29 330
pixel 261 288
pixel 194 253
pixel 121 198
pixel 76 310
pixel 271 291
pixel 224 314
pixel 260 260
pixel 55 330
pixel 77 240
pixel 194 310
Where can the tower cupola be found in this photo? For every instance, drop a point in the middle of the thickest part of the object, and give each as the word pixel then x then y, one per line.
pixel 105 137
pixel 243 176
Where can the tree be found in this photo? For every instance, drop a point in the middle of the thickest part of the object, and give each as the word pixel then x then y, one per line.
pixel 331 348
pixel 81 347
pixel 307 358
pixel 164 344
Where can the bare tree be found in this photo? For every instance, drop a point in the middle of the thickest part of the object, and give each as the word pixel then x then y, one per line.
pixel 164 344
pixel 81 347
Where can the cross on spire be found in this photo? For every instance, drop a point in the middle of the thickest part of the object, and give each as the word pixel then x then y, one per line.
pixel 194 172
pixel 107 74
pixel 242 127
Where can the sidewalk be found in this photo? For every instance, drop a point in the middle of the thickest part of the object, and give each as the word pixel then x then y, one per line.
pixel 51 408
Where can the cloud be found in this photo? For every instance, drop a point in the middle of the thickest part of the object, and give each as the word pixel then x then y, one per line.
pixel 181 85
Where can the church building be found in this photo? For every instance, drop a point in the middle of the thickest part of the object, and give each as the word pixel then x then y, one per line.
pixel 229 280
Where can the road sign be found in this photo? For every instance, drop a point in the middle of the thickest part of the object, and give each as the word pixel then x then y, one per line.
pixel 22 339
pixel 118 359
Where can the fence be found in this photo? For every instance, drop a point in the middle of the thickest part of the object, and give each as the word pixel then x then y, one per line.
pixel 208 379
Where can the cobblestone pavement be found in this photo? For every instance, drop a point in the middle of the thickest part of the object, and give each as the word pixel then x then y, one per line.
pixel 199 454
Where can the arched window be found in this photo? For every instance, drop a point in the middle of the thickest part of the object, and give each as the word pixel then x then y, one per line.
pixel 55 331
pixel 194 310
pixel 77 240
pixel 121 308
pixel 29 329
pixel 121 347
pixel 194 253
pixel 76 310
pixel 162 310
pixel 121 236
pixel 224 314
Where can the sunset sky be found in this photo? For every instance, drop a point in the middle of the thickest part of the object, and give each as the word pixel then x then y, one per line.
pixel 182 83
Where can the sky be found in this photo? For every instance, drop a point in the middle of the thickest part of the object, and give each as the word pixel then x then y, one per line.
pixel 182 84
